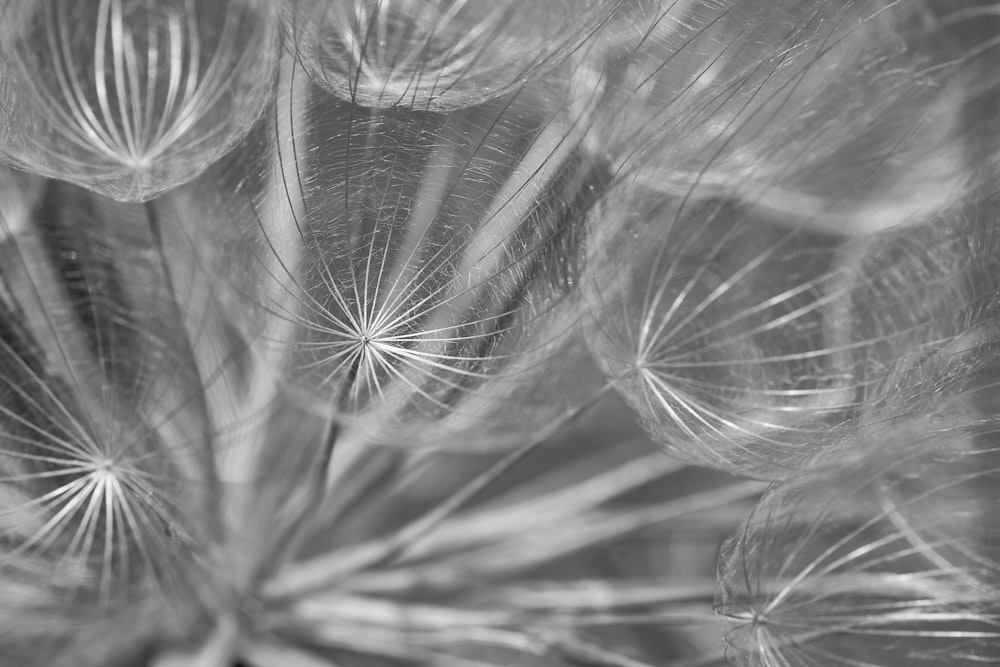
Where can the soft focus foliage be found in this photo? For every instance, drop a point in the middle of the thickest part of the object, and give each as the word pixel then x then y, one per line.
pixel 350 332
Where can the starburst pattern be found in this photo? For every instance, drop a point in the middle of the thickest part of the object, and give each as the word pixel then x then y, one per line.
pixel 416 268
pixel 898 558
pixel 106 459
pixel 750 345
pixel 749 326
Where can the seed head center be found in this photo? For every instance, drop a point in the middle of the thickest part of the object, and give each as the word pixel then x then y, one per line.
pixel 104 469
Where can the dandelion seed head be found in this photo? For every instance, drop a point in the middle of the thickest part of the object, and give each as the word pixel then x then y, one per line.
pixel 367 358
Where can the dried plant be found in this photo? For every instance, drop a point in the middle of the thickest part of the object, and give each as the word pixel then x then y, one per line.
pixel 350 332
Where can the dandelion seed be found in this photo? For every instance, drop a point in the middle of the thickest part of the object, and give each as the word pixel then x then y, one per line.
pixel 413 268
pixel 747 334
pixel 105 460
pixel 750 346
pixel 440 55
pixel 140 99
pixel 850 116
pixel 890 564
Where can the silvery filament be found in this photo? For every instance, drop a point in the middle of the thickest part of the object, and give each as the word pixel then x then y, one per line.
pixel 386 332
